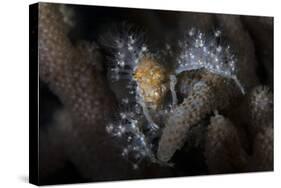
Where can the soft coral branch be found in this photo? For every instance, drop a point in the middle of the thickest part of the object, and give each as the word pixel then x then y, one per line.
pixel 72 74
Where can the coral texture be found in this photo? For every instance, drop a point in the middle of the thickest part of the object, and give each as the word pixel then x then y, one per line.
pixel 261 127
pixel 224 151
pixel 263 151
pixel 261 107
pixel 210 93
pixel 72 74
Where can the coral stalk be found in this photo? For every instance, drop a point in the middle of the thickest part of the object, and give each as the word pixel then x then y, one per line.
pixel 211 92
pixel 72 73
pixel 223 149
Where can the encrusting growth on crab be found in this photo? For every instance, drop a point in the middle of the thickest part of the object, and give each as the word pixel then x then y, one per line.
pixel 147 85
pixel 152 79
pixel 200 50
pixel 211 92
pixel 223 148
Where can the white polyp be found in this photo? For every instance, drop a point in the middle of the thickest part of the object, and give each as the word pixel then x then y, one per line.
pixel 203 51
pixel 217 33
pixel 135 166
